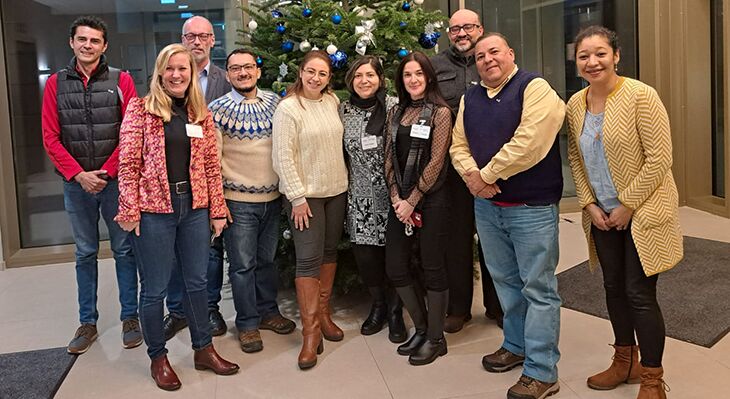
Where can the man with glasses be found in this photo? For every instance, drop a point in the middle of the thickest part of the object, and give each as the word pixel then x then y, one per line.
pixel 457 72
pixel 198 37
pixel 250 185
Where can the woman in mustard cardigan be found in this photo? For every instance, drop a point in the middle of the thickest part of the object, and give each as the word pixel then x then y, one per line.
pixel 620 151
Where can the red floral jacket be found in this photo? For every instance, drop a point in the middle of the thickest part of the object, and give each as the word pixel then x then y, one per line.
pixel 143 185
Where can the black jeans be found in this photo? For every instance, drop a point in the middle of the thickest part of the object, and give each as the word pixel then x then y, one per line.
pixel 630 295
pixel 460 247
pixel 370 261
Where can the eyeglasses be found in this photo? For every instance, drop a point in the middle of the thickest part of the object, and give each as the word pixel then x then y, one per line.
pixel 468 28
pixel 202 36
pixel 237 68
pixel 312 72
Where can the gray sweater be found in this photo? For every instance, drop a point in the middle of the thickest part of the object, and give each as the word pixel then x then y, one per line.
pixel 456 74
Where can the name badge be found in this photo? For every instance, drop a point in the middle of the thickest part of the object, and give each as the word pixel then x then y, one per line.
pixel 369 142
pixel 420 131
pixel 194 130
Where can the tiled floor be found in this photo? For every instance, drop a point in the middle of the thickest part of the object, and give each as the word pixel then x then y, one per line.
pixel 38 308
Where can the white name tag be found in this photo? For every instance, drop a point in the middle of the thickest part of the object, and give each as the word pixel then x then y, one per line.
pixel 369 142
pixel 194 130
pixel 420 131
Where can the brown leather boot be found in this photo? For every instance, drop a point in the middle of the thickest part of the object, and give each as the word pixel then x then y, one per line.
pixel 164 375
pixel 652 384
pixel 208 359
pixel 625 368
pixel 326 279
pixel 308 299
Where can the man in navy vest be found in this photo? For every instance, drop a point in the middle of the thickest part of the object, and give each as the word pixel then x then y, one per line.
pixel 505 147
pixel 199 38
pixel 83 106
pixel 457 72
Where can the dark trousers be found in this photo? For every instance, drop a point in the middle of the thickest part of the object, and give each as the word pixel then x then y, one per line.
pixel 460 248
pixel 370 261
pixel 630 295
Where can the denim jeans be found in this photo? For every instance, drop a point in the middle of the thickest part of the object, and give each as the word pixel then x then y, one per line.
pixel 183 235
pixel 251 242
pixel 520 246
pixel 83 210
pixel 215 282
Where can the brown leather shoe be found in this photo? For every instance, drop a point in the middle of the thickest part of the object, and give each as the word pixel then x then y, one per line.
pixel 250 341
pixel 454 323
pixel 326 279
pixel 502 360
pixel 208 359
pixel 625 368
pixel 308 295
pixel 530 388
pixel 164 375
pixel 652 384
pixel 278 324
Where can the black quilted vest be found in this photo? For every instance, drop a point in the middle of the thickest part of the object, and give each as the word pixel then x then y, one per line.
pixel 89 116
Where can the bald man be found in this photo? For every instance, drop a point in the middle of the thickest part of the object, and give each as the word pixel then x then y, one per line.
pixel 199 38
pixel 457 72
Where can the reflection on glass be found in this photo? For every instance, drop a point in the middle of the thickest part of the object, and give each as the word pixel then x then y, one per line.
pixel 36 45
pixel 718 99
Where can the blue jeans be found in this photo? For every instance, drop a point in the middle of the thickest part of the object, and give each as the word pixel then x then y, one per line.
pixel 520 245
pixel 183 235
pixel 215 282
pixel 251 242
pixel 83 210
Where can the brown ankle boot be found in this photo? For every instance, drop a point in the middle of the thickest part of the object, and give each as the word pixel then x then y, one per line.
pixel 163 374
pixel 326 279
pixel 308 299
pixel 652 384
pixel 208 359
pixel 625 368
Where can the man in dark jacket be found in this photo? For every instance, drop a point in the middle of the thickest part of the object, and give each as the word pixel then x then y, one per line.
pixel 83 106
pixel 457 72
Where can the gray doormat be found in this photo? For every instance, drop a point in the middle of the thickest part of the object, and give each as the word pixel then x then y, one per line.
pixel 694 295
pixel 34 374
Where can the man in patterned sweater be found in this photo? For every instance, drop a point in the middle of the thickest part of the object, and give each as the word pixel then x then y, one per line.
pixel 243 117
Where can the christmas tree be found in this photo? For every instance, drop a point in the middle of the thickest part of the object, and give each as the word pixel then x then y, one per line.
pixel 282 32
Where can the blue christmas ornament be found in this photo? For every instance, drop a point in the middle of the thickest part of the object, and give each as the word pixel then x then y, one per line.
pixel 276 13
pixel 282 93
pixel 280 29
pixel 287 46
pixel 402 53
pixel 307 12
pixel 336 19
pixel 339 59
pixel 406 6
pixel 259 62
pixel 403 24
pixel 429 40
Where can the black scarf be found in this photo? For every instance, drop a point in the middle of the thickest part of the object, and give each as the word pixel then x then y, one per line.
pixel 377 115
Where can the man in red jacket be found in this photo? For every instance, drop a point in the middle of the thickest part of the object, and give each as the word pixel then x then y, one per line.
pixel 83 106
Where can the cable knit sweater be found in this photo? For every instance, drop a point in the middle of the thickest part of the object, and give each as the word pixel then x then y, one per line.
pixel 307 148
pixel 244 146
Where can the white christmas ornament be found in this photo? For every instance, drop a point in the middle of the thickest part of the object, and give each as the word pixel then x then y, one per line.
pixel 283 70
pixel 315 48
pixel 331 49
pixel 419 2
pixel 305 46
pixel 252 25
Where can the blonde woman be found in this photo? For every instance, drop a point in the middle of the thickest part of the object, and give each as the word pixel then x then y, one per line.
pixel 171 197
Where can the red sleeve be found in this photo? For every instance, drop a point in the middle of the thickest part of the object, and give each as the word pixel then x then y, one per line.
pixel 61 158
pixel 126 86
pixel 216 201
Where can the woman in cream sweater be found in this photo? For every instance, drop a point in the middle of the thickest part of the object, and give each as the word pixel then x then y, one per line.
pixel 620 151
pixel 308 157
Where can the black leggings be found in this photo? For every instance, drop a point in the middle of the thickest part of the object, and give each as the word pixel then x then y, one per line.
pixel 370 261
pixel 630 295
pixel 432 237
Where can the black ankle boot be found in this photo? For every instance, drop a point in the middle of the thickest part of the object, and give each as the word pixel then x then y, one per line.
pixel 412 345
pixel 396 327
pixel 428 352
pixel 417 309
pixel 378 313
pixel 435 345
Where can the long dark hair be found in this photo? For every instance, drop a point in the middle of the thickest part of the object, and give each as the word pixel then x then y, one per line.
pixel 297 88
pixel 433 93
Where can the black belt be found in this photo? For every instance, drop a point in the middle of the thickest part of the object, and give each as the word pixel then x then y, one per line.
pixel 181 187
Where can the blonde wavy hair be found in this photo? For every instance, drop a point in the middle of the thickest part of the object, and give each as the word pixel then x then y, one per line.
pixel 158 102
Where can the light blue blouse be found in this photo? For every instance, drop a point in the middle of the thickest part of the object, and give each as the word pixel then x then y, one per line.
pixel 594 158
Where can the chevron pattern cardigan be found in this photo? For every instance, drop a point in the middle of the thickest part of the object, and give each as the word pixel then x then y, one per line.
pixel 638 146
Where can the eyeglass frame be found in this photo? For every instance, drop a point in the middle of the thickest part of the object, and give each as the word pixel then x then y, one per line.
pixel 186 36
pixel 238 68
pixel 467 28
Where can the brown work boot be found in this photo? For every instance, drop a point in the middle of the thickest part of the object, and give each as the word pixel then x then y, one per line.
pixel 208 359
pixel 326 279
pixel 624 369
pixel 652 384
pixel 502 360
pixel 250 341
pixel 85 335
pixel 278 324
pixel 530 388
pixel 163 374
pixel 308 294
